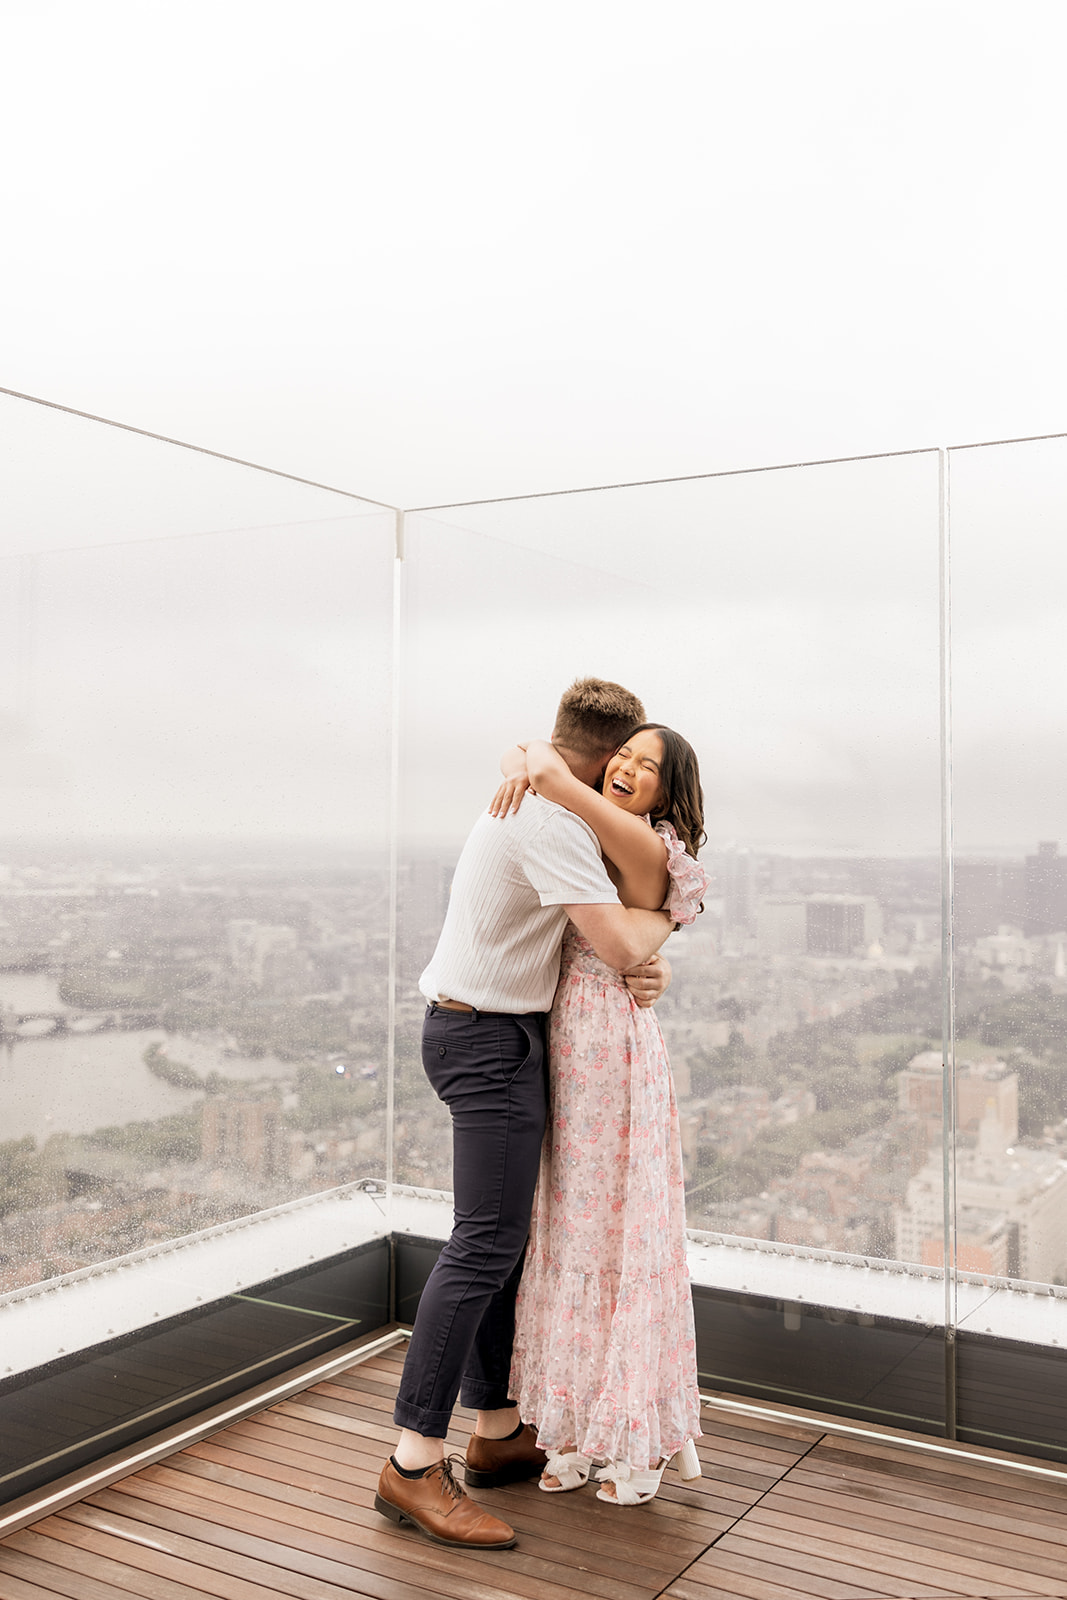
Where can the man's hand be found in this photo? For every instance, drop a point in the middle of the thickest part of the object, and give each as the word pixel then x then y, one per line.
pixel 648 982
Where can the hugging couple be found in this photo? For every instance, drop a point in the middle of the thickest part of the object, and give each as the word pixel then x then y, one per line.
pixel 584 1352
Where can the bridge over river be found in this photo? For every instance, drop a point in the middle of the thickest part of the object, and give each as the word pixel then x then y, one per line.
pixel 63 1019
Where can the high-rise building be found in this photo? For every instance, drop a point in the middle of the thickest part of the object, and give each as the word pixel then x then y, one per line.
pixel 1046 890
pixel 986 896
pixel 737 875
pixel 782 926
pixel 245 1135
pixel 842 924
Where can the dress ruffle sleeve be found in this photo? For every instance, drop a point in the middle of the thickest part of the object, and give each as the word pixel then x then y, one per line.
pixel 688 880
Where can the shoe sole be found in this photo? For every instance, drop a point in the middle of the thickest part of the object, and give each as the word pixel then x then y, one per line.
pixel 517 1472
pixel 395 1514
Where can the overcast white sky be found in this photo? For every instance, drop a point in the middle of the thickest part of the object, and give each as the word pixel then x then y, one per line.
pixel 440 249
pixel 435 249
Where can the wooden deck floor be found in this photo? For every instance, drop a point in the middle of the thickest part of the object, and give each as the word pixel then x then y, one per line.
pixel 281 1504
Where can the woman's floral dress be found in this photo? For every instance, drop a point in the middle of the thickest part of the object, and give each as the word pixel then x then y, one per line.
pixel 605 1352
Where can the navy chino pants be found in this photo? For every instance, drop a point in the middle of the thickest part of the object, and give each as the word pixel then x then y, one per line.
pixel 489 1069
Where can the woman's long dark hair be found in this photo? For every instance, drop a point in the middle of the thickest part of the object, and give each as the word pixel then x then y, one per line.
pixel 681 801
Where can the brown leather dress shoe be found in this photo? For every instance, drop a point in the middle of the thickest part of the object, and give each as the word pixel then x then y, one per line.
pixel 492 1462
pixel 439 1508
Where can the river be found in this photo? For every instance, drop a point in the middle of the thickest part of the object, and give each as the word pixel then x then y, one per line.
pixel 78 1082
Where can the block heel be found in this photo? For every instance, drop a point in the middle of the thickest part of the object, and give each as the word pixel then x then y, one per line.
pixel 394 1513
pixel 475 1479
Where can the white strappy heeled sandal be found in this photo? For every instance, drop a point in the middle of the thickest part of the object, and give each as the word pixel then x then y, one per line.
pixel 637 1488
pixel 570 1467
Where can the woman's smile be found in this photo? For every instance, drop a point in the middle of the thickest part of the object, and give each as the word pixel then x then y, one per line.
pixel 631 780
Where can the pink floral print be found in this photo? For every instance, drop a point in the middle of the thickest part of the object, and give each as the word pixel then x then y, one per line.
pixel 605 1352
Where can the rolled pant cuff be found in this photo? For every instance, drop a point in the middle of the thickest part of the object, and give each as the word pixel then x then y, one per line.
pixel 431 1424
pixel 484 1397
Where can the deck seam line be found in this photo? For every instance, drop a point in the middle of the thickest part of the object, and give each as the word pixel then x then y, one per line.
pixel 712 1543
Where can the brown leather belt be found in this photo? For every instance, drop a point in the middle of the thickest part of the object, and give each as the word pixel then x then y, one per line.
pixel 465 1010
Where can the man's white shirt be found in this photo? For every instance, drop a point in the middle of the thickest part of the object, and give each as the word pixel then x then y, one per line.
pixel 499 948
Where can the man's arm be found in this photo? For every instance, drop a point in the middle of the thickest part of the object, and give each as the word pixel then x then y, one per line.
pixel 623 936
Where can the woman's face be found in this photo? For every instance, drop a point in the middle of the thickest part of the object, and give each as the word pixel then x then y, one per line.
pixel 631 779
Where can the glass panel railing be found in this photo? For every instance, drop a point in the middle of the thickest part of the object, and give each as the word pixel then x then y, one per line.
pixel 1010 872
pixel 1009 658
pixel 194 894
pixel 787 623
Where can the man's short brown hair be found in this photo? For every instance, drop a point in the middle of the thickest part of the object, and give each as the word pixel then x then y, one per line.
pixel 595 716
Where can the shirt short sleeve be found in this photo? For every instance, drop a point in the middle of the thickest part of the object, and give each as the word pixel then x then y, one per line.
pixel 562 862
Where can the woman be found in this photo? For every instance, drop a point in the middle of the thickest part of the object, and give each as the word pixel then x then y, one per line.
pixel 605 1353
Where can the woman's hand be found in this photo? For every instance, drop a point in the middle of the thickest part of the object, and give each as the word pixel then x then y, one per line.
pixel 516 782
pixel 509 796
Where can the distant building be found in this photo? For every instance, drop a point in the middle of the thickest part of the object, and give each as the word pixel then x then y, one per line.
pixel 246 1135
pixel 240 944
pixel 1011 1211
pixel 1046 890
pixel 269 956
pixel 737 876
pixel 984 1089
pixel 987 895
pixel 844 925
pixel 422 891
pixel 782 926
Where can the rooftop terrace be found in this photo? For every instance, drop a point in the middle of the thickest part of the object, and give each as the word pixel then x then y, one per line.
pixel 288 701
pixel 280 1503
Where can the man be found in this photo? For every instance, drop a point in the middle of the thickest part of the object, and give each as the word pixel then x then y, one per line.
pixel 489 986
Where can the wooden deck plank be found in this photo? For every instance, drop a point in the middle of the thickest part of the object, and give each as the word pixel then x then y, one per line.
pixel 390 1553
pixel 780 1427
pixel 17 1588
pixel 1037 1493
pixel 600 1555
pixel 893 1565
pixel 321 1574
pixel 820 1561
pixel 272 1566
pixel 959 1463
pixel 265 1515
pixel 868 1489
pixel 753 1561
pixel 1002 1533
pixel 112 1571
pixel 521 1504
pixel 696 1503
pixel 296 1573
pixel 960 1556
pixel 743 1586
pixel 172 1574
pixel 280 1506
